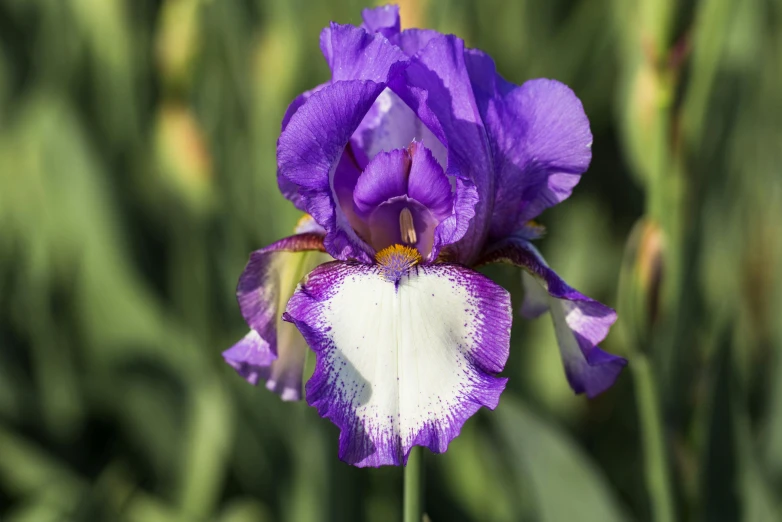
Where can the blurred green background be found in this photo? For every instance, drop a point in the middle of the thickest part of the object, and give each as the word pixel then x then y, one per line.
pixel 137 172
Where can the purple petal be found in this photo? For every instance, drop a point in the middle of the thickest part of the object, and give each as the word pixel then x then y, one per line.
pixel 288 189
pixel 405 363
pixel 413 171
pixel 258 289
pixel 580 323
pixel 356 54
pixel 384 178
pixel 557 148
pixel 250 357
pixel 386 188
pixel 577 325
pixel 488 86
pixel 309 150
pixel 411 41
pixel 346 177
pixel 291 193
pixel 437 86
pixel 297 102
pixel 253 361
pixel 383 20
pixel 312 144
pixel 427 182
pixel 259 285
pixel 390 124
pixel 273 351
pixel 540 138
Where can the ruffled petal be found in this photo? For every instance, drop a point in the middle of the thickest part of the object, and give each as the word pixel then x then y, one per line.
pixel 309 150
pixel 383 20
pixel 541 142
pixel 273 350
pixel 356 54
pixel 288 189
pixel 437 87
pixel 254 362
pixel 401 363
pixel 260 284
pixel 411 41
pixel 312 144
pixel 251 357
pixel 580 322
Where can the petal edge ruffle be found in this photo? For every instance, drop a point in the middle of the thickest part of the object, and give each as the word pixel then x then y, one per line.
pixel 405 364
pixel 540 140
pixel 274 351
pixel 580 323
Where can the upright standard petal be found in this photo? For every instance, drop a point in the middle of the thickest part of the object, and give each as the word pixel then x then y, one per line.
pixel 310 149
pixel 359 55
pixel 391 124
pixel 288 189
pixel 437 87
pixel 580 322
pixel 541 142
pixel 403 358
pixel 383 20
pixel 312 144
pixel 273 350
pixel 411 41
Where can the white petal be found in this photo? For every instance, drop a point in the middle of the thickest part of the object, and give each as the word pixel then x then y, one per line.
pixel 402 364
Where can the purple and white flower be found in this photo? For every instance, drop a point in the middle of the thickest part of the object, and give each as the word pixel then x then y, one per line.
pixel 417 163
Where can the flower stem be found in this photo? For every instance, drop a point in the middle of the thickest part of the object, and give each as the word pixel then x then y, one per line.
pixel 656 460
pixel 414 471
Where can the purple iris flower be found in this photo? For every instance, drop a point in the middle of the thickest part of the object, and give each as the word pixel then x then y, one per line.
pixel 417 163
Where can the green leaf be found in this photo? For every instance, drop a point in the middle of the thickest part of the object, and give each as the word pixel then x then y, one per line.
pixel 565 483
pixel 47 486
pixel 26 468
pixel 35 511
pixel 147 508
pixel 471 468
pixel 244 510
pixel 206 447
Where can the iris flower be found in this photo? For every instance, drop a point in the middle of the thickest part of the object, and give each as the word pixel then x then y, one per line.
pixel 417 162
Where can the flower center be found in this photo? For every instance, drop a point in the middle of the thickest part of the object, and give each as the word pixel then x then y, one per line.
pixel 399 198
pixel 407 228
pixel 396 260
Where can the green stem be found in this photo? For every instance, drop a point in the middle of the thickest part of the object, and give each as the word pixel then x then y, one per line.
pixel 655 458
pixel 413 504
